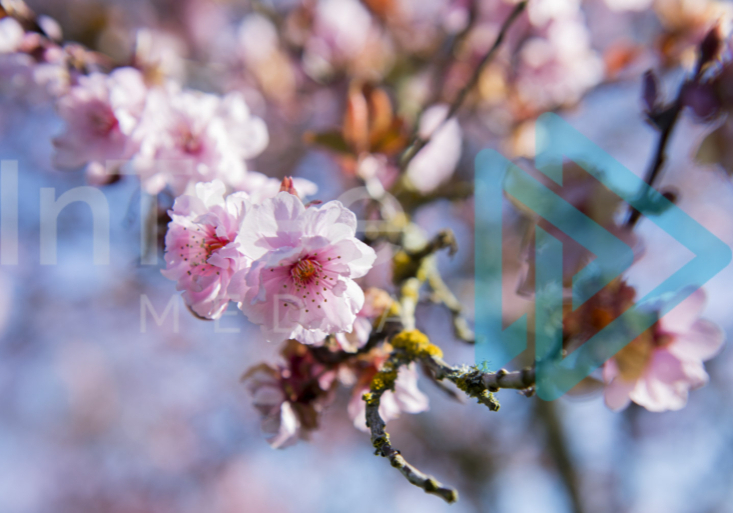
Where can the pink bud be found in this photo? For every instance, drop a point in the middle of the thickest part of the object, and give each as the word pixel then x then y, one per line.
pixel 288 186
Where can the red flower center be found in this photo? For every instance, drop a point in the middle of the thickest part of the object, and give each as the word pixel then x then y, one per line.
pixel 190 142
pixel 212 245
pixel 103 122
pixel 303 271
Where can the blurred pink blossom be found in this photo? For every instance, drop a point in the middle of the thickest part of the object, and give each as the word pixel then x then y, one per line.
pixel 559 67
pixel 357 337
pixel 31 69
pixel 658 371
pixel 376 303
pixel 201 252
pixel 100 113
pixel 290 396
pixel 344 35
pixel 342 27
pixel 160 55
pixel 279 420
pixel 188 136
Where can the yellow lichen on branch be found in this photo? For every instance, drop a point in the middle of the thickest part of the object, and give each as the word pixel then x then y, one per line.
pixel 416 345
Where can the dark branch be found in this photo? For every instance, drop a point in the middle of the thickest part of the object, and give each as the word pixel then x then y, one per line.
pixel 666 121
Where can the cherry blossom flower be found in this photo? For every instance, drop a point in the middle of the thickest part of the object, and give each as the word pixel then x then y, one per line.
pixel 160 55
pixel 100 113
pixel 560 67
pixel 279 420
pixel 201 252
pixel 290 396
pixel 32 68
pixel 345 36
pixel 188 137
pixel 435 163
pixel 258 50
pixel 301 284
pixel 659 368
pixel 406 397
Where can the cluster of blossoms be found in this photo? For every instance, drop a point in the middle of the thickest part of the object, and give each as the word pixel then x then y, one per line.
pixel 292 269
pixel 295 268
pixel 290 396
pixel 281 260
pixel 117 123
pixel 131 120
pixel 32 65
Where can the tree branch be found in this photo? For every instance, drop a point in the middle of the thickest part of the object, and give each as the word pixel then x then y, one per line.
pixel 546 412
pixel 444 295
pixel 660 152
pixel 666 121
pixel 443 64
pixel 490 381
pixel 383 447
pixel 418 142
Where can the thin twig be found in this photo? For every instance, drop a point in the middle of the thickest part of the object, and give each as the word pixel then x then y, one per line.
pixel 443 64
pixel 670 117
pixel 520 380
pixel 383 447
pixel 444 295
pixel 659 154
pixel 490 381
pixel 420 142
pixel 546 411
pixel 413 345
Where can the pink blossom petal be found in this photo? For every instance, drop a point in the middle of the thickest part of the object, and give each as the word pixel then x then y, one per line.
pixel 289 428
pixel 703 340
pixel 681 317
pixel 616 394
pixel 409 398
pixel 664 385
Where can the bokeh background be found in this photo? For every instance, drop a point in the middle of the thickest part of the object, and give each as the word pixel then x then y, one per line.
pixel 96 416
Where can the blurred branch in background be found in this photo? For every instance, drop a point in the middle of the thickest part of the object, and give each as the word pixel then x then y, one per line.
pixel 664 116
pixel 419 142
pixel 557 446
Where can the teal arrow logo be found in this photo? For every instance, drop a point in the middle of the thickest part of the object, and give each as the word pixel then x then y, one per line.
pixel 496 345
